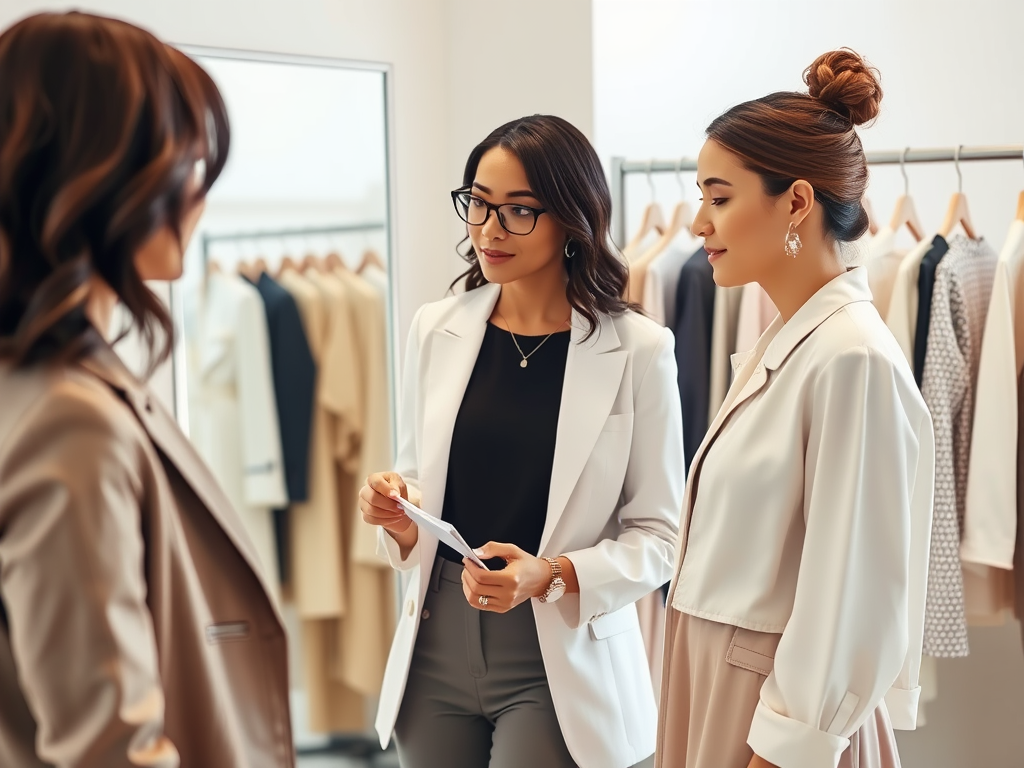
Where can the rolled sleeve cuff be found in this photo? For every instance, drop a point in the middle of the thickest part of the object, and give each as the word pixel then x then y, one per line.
pixel 387 548
pixel 902 704
pixel 790 743
pixel 591 574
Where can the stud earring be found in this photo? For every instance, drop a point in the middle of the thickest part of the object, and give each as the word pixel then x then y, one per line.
pixel 567 254
pixel 793 242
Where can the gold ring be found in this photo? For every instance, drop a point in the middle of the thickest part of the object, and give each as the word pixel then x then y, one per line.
pixel 483 600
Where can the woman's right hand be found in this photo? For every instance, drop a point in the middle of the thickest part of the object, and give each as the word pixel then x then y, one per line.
pixel 378 505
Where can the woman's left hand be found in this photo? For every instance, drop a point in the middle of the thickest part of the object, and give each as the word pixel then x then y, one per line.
pixel 524 577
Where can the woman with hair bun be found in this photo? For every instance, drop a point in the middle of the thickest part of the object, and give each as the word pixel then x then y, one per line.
pixel 796 613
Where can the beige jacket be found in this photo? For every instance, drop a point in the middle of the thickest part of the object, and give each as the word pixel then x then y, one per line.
pixel 139 631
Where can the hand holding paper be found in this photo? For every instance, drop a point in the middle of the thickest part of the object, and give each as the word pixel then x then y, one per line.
pixel 440 530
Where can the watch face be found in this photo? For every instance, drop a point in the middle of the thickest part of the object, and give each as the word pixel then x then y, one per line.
pixel 556 591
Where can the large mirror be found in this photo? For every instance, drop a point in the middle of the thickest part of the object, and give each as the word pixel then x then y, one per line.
pixel 283 368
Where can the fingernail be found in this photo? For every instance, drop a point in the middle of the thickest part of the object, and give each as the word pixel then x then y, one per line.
pixel 478 552
pixel 394 494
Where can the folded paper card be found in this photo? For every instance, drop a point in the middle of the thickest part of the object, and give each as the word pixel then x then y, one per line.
pixel 440 530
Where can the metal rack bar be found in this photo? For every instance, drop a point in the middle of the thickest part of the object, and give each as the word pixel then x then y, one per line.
pixel 266 234
pixel 621 167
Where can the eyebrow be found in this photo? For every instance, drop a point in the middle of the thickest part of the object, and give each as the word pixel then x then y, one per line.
pixel 517 193
pixel 714 181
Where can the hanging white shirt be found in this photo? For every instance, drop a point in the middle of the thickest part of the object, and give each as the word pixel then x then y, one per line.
pixel 810 514
pixel 902 314
pixel 236 428
pixel 990 520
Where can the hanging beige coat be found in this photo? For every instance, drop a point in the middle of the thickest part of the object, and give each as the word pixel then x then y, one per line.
pixel 365 633
pixel 317 538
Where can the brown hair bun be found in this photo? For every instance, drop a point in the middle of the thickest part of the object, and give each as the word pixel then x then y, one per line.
pixel 847 84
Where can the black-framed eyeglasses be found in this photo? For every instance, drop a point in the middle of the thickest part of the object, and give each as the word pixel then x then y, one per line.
pixel 515 218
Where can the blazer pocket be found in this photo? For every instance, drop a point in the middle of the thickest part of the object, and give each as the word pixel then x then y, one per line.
pixel 753 650
pixel 618 422
pixel 227 632
pixel 615 623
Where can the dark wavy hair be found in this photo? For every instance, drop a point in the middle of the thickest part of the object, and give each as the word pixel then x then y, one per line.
pixel 102 127
pixel 566 176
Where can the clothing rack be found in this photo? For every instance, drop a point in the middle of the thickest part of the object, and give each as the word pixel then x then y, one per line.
pixel 282 234
pixel 621 167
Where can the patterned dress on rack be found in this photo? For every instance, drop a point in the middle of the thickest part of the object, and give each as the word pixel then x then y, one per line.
pixel 963 286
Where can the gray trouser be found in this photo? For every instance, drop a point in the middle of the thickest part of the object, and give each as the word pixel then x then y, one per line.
pixel 477 695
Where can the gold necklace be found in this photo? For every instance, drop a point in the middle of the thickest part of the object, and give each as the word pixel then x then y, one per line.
pixel 526 357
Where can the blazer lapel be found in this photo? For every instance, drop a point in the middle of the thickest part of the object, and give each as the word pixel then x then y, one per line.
pixel 593 375
pixel 453 352
pixel 171 441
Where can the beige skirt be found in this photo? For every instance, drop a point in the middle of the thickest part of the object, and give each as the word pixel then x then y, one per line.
pixel 712 682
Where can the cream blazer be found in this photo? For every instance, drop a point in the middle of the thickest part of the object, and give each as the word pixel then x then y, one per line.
pixel 613 510
pixel 809 514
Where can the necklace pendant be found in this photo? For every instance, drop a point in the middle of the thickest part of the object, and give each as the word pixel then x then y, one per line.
pixel 523 364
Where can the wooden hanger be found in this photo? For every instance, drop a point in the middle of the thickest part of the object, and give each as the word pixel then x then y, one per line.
pixel 652 220
pixel 371 259
pixel 681 219
pixel 252 272
pixel 312 263
pixel 958 212
pixel 905 214
pixel 335 262
pixel 870 211
pixel 288 263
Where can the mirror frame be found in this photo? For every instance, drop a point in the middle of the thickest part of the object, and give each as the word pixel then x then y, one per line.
pixel 178 363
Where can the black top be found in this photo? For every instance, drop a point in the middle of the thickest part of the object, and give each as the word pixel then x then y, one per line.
pixel 693 325
pixel 925 288
pixel 294 373
pixel 503 444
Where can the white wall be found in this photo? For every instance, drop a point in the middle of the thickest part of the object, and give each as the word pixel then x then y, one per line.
pixel 520 59
pixel 461 68
pixel 663 69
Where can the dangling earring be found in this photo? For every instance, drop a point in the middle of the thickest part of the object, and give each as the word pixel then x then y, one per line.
pixel 793 243
pixel 567 254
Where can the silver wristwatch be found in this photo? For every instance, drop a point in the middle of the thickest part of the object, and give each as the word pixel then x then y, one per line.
pixel 557 586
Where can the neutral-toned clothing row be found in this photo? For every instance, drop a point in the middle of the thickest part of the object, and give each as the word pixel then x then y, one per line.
pixel 969 364
pixel 342 593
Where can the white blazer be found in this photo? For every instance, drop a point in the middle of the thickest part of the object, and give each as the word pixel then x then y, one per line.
pixel 808 515
pixel 613 510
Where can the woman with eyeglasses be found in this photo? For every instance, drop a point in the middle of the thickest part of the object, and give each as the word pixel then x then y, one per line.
pixel 540 417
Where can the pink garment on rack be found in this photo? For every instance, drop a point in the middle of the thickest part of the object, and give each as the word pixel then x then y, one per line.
pixel 756 314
